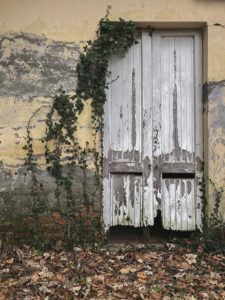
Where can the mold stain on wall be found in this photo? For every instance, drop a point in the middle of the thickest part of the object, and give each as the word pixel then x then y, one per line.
pixel 33 66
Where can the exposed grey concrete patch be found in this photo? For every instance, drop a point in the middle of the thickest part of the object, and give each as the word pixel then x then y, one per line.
pixel 216 111
pixel 5 174
pixel 216 92
pixel 32 65
pixel 214 84
pixel 15 191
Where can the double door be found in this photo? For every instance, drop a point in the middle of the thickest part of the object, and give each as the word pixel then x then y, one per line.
pixel 153 137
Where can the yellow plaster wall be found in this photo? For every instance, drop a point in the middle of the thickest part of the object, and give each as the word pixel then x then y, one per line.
pixel 76 21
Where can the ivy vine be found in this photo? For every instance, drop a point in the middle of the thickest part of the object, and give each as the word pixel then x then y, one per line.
pixel 61 120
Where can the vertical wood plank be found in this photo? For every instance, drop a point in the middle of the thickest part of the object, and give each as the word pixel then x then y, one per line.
pixel 190 192
pixel 180 96
pixel 172 99
pixel 178 205
pixel 172 204
pixel 184 97
pixel 166 185
pixel 156 124
pixel 126 113
pixel 126 204
pixel 137 109
pixel 198 127
pixel 148 210
pixel 114 204
pixel 113 104
pixel 136 211
pixel 184 205
pixel 165 85
pixel 190 115
pixel 117 103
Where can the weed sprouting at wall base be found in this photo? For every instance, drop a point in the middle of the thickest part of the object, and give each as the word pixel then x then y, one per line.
pixel 214 235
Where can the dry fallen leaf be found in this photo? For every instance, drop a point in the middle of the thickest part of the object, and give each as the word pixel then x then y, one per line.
pixel 170 246
pixel 142 275
pixel 77 249
pixel 214 275
pixel 179 275
pixel 184 265
pixel 46 255
pixel 76 288
pixel 128 270
pixel 10 261
pixel 156 296
pixel 37 257
pixel 191 258
pixel 203 294
pixel 20 254
pixel 44 289
pixel 213 281
pixel 65 270
pixel 32 264
pixel 35 277
pixel 101 277
pixel 100 292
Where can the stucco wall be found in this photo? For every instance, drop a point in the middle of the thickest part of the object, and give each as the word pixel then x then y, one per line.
pixel 40 42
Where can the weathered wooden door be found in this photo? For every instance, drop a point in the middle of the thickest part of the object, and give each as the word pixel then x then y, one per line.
pixel 153 133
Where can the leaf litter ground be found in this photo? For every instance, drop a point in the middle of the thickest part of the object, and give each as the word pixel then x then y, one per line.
pixel 128 273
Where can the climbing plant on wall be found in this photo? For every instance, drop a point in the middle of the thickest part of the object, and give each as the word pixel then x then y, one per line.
pixel 61 120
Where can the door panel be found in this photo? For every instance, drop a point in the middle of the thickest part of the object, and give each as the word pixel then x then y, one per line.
pixel 175 153
pixel 178 207
pixel 125 108
pixel 123 140
pixel 126 199
pixel 177 94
